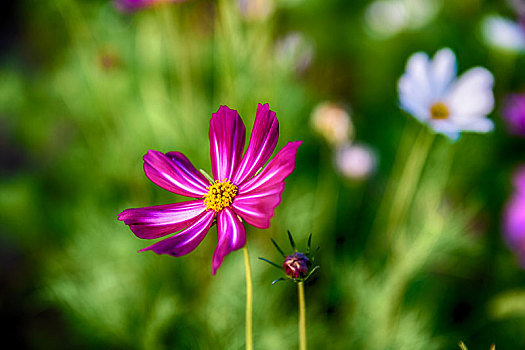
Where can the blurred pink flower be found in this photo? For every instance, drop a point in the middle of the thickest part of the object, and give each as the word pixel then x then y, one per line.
pixel 135 5
pixel 514 114
pixel 521 23
pixel 241 190
pixel 256 10
pixel 514 217
pixel 355 161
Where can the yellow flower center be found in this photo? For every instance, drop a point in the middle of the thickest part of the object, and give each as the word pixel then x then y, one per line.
pixel 439 110
pixel 220 195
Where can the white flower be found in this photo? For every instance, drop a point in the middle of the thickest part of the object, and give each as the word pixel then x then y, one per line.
pixel 386 18
pixel 430 92
pixel 503 33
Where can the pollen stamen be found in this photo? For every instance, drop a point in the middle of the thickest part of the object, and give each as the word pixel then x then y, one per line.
pixel 220 195
pixel 439 110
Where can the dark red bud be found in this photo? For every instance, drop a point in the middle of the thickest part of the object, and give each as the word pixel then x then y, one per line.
pixel 296 265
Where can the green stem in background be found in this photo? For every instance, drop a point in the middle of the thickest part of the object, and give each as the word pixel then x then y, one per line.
pixel 302 316
pixel 408 181
pixel 405 144
pixel 228 41
pixel 249 299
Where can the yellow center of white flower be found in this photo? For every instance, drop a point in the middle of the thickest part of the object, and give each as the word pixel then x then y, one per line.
pixel 220 195
pixel 439 110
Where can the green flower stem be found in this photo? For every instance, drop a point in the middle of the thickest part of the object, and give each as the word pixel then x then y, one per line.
pixel 405 145
pixel 408 180
pixel 249 299
pixel 302 316
pixel 411 252
pixel 462 346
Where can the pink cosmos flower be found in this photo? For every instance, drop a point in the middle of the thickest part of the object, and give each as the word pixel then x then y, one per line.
pixel 514 217
pixel 239 193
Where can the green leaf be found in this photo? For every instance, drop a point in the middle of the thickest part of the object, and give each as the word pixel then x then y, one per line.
pixel 309 244
pixel 278 248
pixel 278 280
pixel 311 272
pixel 270 262
pixel 292 243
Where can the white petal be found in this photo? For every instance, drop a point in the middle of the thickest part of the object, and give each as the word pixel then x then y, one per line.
pixel 411 101
pixel 479 124
pixel 445 127
pixel 415 93
pixel 472 94
pixel 418 73
pixel 443 71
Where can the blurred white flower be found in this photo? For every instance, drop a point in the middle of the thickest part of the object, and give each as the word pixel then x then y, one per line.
pixel 294 50
pixel 355 162
pixel 332 122
pixel 430 92
pixel 503 34
pixel 386 18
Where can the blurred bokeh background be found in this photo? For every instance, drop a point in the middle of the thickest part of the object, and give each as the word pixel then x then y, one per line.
pixel 87 87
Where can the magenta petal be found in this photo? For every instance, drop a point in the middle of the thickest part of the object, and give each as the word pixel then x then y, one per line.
pixel 186 241
pixel 232 236
pixel 161 220
pixel 514 221
pixel 257 207
pixel 174 172
pixel 227 134
pixel 265 133
pixel 259 196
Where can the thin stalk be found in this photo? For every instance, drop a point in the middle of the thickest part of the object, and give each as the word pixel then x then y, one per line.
pixel 249 299
pixel 302 316
pixel 405 144
pixel 416 249
pixel 408 181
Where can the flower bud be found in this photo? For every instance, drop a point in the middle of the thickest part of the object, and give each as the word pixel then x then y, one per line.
pixel 296 265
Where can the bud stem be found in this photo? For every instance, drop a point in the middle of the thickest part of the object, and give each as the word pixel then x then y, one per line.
pixel 302 316
pixel 249 299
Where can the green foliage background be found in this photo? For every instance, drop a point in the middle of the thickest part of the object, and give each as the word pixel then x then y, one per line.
pixel 85 91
